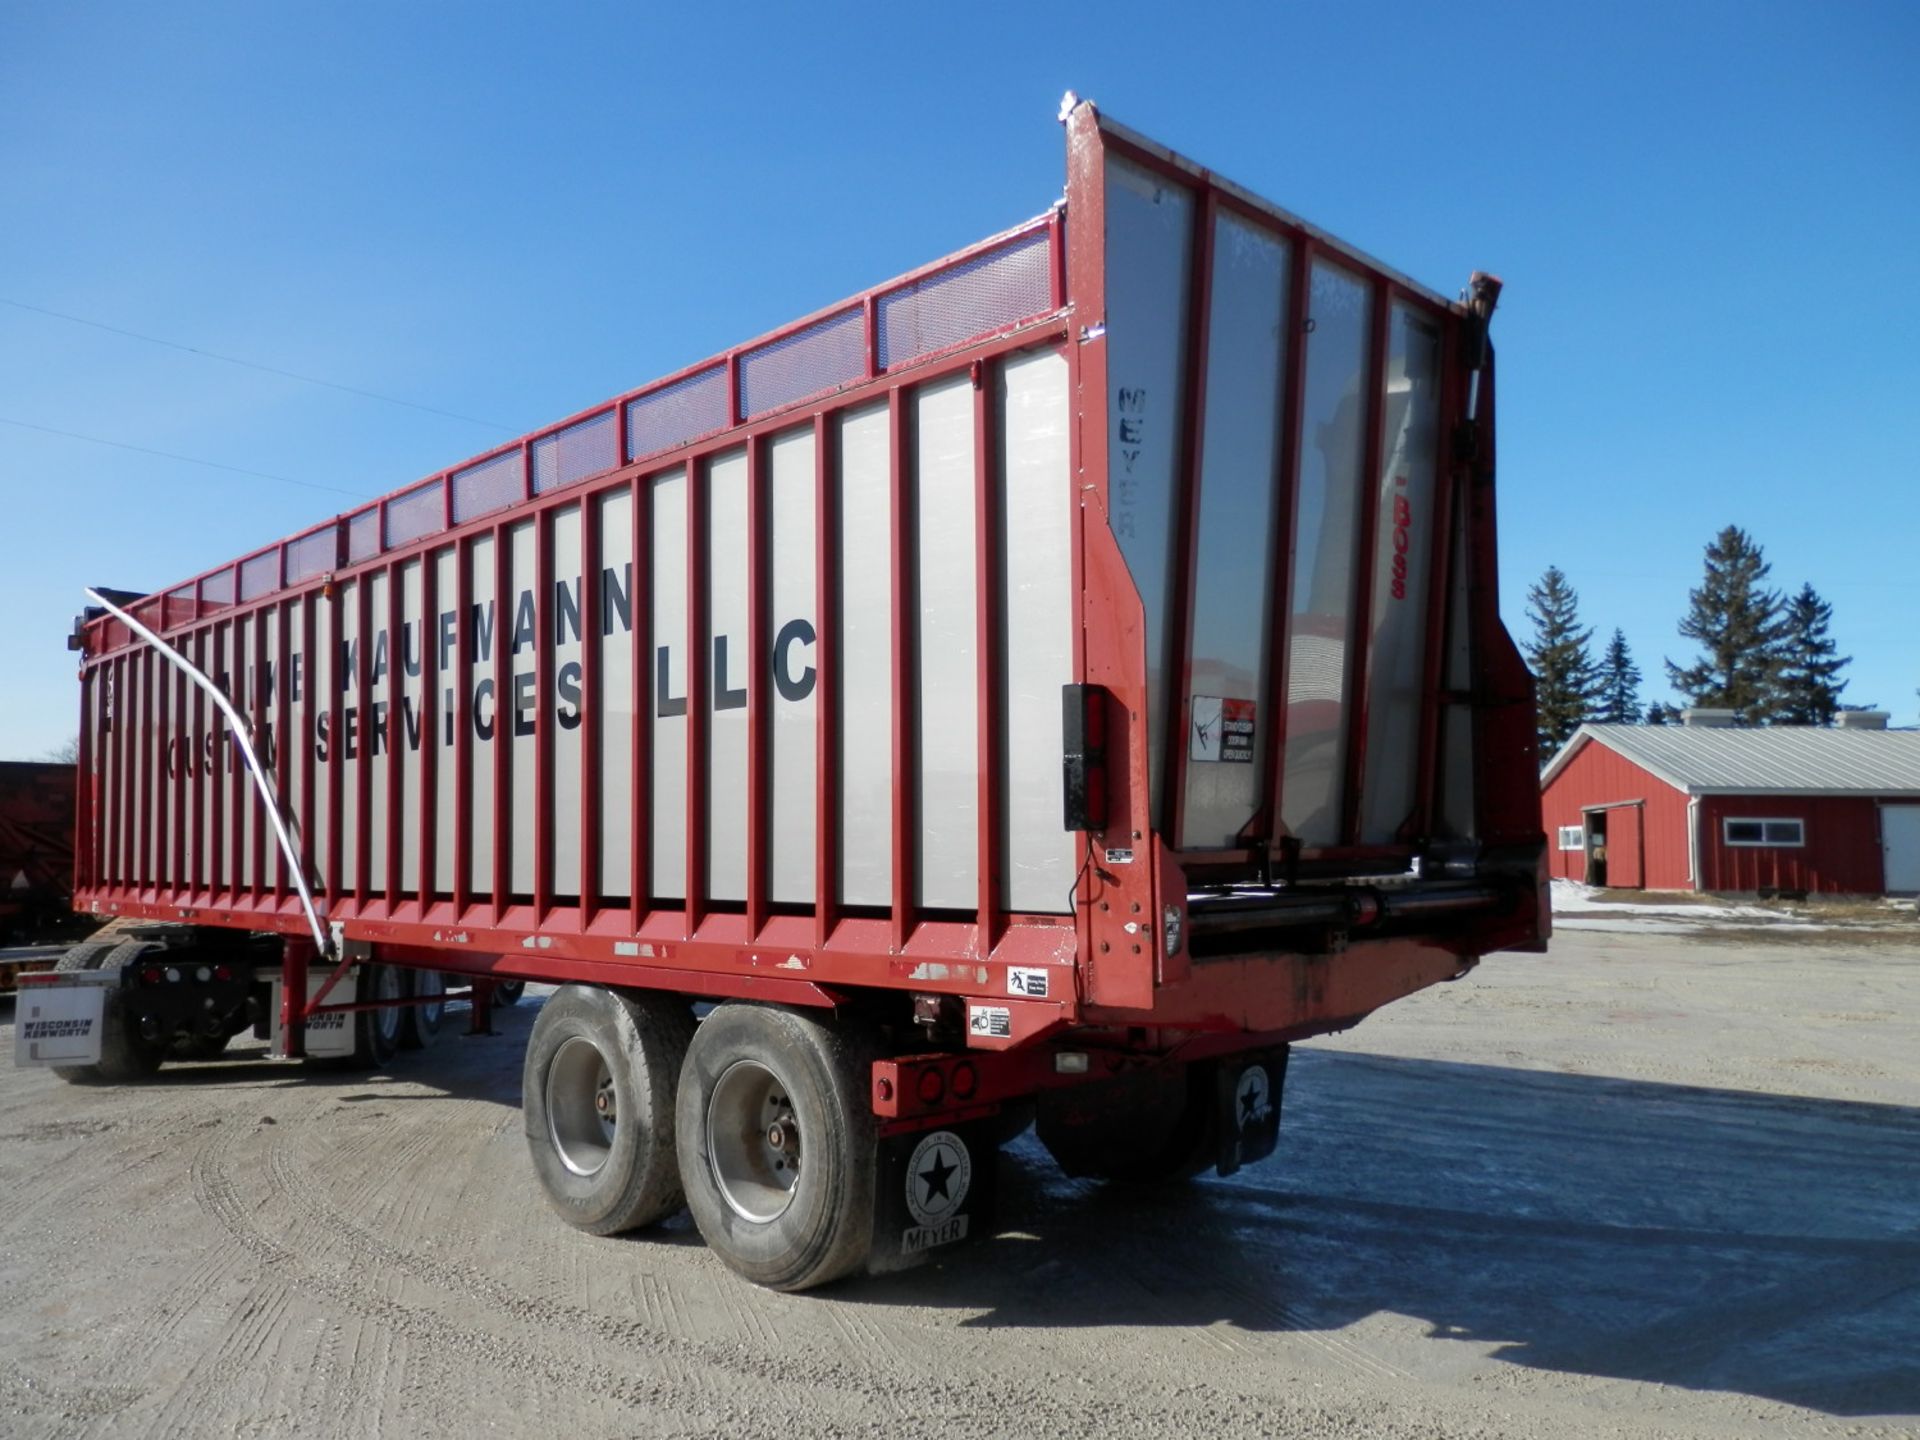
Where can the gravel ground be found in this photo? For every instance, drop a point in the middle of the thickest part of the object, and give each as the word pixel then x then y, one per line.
pixel 1642 1186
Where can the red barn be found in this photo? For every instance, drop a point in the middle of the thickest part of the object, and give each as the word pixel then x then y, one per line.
pixel 1707 805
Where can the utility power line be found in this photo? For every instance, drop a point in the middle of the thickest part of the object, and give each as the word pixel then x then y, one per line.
pixel 188 459
pixel 255 365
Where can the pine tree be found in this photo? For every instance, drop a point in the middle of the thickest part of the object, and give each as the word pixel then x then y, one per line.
pixel 1619 684
pixel 1739 625
pixel 1809 675
pixel 1658 714
pixel 1567 682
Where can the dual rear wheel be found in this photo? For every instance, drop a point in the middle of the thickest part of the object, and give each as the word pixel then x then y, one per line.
pixel 756 1120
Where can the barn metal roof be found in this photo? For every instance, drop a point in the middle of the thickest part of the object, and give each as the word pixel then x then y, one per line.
pixel 1776 760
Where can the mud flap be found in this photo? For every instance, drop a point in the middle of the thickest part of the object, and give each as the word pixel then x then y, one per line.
pixel 933 1189
pixel 1247 1106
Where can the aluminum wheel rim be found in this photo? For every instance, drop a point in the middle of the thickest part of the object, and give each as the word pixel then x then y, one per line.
pixel 582 1113
pixel 429 982
pixel 386 986
pixel 753 1142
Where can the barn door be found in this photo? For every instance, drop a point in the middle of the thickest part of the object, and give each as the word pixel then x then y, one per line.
pixel 1625 848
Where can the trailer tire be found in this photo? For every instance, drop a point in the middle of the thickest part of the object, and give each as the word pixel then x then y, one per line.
pixel 508 992
pixel 1154 1128
pixel 124 1055
pixel 420 1024
pixel 768 1095
pixel 598 1098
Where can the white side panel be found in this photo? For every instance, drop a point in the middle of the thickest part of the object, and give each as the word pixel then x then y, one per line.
pixel 561 709
pixel 269 685
pixel 485 631
pixel 613 514
pixel 1036 546
pixel 1149 240
pixel 343 750
pixel 523 641
pixel 1233 573
pixel 444 635
pixel 865 658
pixel 791 701
pixel 410 733
pixel 728 679
pixel 669 649
pixel 946 702
pixel 373 733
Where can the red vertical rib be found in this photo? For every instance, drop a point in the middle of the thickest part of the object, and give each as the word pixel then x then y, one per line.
pixel 986 651
pixel 463 723
pixel 699 663
pixel 826 699
pixel 640 820
pixel 592 514
pixel 759 523
pixel 427 765
pixel 543 720
pixel 899 437
pixel 502 817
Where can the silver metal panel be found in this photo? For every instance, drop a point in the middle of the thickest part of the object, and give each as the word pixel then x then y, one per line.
pixel 792 703
pixel 1402 556
pixel 865 658
pixel 1036 626
pixel 1149 237
pixel 669 790
pixel 567 633
pixel 523 638
pixel 373 731
pixel 613 514
pixel 1233 555
pixel 728 677
pixel 343 747
pixel 410 732
pixel 946 700
pixel 488 714
pixel 1327 532
pixel 444 635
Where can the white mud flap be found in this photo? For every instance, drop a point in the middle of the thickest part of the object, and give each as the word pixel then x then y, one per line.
pixel 1248 1096
pixel 60 1024
pixel 935 1188
pixel 327 1035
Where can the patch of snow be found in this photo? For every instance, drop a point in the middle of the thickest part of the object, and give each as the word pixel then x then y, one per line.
pixel 1570 897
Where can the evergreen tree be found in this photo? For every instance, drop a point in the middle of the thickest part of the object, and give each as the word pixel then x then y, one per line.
pixel 1739 625
pixel 1658 714
pixel 1567 680
pixel 1810 683
pixel 1619 684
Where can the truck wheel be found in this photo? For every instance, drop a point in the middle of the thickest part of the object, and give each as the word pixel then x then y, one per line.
pixel 420 1024
pixel 777 1144
pixel 124 1053
pixel 508 992
pixel 1145 1129
pixel 597 1094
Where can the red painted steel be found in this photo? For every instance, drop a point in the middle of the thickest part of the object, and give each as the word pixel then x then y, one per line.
pixel 1133 881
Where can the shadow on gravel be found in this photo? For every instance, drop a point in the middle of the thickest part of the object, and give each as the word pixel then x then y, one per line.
pixel 1709 1239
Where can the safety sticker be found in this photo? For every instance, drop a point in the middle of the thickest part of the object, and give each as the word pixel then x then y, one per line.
pixel 1031 983
pixel 993 1021
pixel 1119 857
pixel 1222 730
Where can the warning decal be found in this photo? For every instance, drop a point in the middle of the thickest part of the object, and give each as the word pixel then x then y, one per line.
pixel 993 1021
pixel 1029 982
pixel 1222 730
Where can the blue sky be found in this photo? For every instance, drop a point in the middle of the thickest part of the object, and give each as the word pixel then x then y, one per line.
pixel 1705 215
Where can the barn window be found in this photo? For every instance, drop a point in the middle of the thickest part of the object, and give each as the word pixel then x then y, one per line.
pixel 1765 832
pixel 1573 837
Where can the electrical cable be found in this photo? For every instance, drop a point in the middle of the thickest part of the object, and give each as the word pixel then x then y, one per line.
pixel 188 459
pixel 255 365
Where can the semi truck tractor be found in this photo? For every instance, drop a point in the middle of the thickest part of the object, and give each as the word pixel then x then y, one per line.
pixel 1047 684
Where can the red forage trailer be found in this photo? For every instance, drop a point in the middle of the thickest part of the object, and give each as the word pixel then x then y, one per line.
pixel 1053 680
